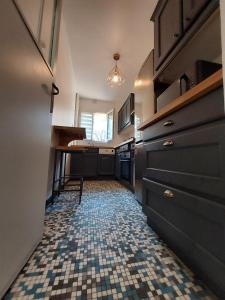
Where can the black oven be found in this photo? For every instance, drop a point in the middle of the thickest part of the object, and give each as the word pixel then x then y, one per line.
pixel 125 165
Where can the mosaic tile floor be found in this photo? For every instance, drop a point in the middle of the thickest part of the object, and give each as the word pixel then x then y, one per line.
pixel 103 249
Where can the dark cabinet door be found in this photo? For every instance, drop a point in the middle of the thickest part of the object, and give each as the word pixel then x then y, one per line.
pixel 90 164
pixel 119 121
pixel 106 164
pixel 124 115
pixel 76 165
pixel 139 169
pixel 127 114
pixel 167 28
pixel 191 8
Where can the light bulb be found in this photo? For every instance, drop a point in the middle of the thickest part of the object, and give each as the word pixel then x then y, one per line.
pixel 115 78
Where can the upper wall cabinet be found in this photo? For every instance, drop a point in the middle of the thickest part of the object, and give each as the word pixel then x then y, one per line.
pixel 175 23
pixel 41 19
pixel 32 13
pixel 47 29
pixel 168 27
pixel 126 113
pixel 191 10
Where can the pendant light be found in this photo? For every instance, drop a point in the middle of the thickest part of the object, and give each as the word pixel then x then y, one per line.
pixel 115 77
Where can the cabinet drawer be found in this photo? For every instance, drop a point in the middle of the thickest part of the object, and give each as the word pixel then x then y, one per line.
pixel 193 160
pixel 200 219
pixel 205 265
pixel 210 107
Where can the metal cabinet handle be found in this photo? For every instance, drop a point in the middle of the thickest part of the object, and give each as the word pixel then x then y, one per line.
pixel 168 194
pixel 55 91
pixel 168 143
pixel 168 123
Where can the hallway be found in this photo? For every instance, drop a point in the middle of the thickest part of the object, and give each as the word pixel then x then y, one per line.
pixel 103 249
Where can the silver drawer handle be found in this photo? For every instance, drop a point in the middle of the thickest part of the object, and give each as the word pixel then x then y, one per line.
pixel 168 143
pixel 168 123
pixel 168 194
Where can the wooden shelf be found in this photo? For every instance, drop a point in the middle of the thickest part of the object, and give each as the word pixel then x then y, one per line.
pixel 68 134
pixel 201 89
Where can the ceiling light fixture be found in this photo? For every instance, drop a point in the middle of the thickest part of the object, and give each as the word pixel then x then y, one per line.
pixel 115 77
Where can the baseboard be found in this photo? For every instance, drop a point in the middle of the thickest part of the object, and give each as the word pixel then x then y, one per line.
pixel 50 200
pixel 10 282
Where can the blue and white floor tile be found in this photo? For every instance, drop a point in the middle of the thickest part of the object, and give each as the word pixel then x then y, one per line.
pixel 103 249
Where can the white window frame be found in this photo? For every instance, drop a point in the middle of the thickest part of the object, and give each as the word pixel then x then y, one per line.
pixel 107 115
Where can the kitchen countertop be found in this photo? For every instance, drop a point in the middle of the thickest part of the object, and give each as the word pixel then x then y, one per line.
pixel 81 147
pixel 209 84
pixel 125 142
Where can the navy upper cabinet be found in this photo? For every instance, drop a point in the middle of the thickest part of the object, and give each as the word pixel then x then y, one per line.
pixel 175 22
pixel 126 113
pixel 191 9
pixel 167 27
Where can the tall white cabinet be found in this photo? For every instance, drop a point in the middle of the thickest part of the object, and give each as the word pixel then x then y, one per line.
pixel 25 129
pixel 41 18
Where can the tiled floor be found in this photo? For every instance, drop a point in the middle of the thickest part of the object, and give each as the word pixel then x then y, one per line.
pixel 103 249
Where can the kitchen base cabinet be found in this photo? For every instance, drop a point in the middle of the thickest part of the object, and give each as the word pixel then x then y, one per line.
pixel 84 164
pixel 76 163
pixel 106 165
pixel 184 189
pixel 192 159
pixel 206 266
pixel 91 164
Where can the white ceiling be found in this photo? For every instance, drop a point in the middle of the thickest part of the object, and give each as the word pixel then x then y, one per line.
pixel 97 29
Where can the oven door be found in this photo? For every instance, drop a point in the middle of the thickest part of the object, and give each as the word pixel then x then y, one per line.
pixel 125 169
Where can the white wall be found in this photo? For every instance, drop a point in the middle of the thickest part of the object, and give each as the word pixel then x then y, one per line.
pixel 92 105
pixel 63 113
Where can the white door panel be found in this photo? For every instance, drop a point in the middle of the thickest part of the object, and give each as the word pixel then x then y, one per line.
pixel 25 123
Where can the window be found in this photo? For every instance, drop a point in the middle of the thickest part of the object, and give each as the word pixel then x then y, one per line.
pixel 99 126
pixel 110 126
pixel 86 120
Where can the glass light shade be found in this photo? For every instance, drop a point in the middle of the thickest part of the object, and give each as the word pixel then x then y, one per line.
pixel 115 77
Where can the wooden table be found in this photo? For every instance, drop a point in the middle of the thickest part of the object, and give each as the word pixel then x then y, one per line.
pixel 65 135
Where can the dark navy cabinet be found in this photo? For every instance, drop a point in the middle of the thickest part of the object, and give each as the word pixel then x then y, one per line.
pixel 184 185
pixel 76 164
pixel 106 164
pixel 126 113
pixel 175 22
pixel 167 26
pixel 191 9
pixel 91 164
pixel 84 164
